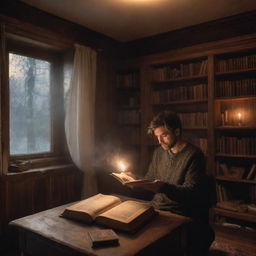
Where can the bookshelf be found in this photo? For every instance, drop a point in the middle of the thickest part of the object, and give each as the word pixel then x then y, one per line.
pixel 235 136
pixel 182 86
pixel 128 115
pixel 213 89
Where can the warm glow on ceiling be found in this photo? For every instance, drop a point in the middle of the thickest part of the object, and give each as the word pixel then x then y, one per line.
pixel 142 1
pixel 126 20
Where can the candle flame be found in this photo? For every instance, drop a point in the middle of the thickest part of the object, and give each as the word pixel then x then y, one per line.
pixel 239 115
pixel 121 166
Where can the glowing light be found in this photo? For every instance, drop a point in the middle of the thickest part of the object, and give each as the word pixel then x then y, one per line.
pixel 121 166
pixel 148 2
pixel 239 117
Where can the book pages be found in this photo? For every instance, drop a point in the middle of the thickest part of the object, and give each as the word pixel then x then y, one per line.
pixel 126 211
pixel 95 204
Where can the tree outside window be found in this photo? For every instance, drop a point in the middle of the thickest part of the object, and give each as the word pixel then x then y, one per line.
pixel 30 118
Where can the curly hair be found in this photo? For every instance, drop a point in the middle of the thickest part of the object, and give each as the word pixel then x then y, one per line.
pixel 166 118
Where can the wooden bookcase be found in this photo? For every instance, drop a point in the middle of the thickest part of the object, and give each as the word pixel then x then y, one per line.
pixel 235 134
pixel 213 88
pixel 128 116
pixel 183 87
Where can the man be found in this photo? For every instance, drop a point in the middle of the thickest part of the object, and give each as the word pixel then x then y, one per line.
pixel 181 184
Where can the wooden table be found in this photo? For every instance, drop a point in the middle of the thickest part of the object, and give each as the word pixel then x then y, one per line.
pixel 45 233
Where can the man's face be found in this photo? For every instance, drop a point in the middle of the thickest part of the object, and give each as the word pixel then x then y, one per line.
pixel 166 138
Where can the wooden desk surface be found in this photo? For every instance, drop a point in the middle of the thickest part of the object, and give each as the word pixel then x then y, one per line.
pixel 72 235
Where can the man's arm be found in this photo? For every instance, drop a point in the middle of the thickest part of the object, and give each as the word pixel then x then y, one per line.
pixel 191 187
pixel 187 191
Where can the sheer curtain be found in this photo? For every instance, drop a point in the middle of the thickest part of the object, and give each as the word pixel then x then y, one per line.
pixel 79 123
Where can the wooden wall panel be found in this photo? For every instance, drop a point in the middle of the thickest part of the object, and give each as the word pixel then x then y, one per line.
pixel 64 188
pixel 19 200
pixel 39 190
pixel 31 192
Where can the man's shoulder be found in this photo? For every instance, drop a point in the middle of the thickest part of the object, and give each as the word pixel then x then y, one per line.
pixel 159 150
pixel 193 149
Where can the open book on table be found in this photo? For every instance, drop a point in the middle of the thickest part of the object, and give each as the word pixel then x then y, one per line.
pixel 126 179
pixel 110 211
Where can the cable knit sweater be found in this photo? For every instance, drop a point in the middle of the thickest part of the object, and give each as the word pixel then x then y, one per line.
pixel 185 189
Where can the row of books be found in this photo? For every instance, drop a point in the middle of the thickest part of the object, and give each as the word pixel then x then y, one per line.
pixel 202 143
pixel 238 172
pixel 195 92
pixel 230 88
pixel 128 117
pixel 130 80
pixel 179 71
pixel 229 200
pixel 235 205
pixel 198 119
pixel 130 135
pixel 222 193
pixel 236 145
pixel 237 63
pixel 129 101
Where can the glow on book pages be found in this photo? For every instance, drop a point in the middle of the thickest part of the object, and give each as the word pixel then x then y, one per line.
pixel 126 177
pixel 120 174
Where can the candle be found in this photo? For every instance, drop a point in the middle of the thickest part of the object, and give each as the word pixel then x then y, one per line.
pixel 239 116
pixel 121 166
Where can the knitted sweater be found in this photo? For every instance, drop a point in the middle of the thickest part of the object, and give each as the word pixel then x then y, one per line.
pixel 185 189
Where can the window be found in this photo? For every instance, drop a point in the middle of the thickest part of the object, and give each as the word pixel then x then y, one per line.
pixel 30 117
pixel 35 102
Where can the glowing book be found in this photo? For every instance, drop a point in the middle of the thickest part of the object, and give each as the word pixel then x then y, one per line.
pixel 110 211
pixel 126 179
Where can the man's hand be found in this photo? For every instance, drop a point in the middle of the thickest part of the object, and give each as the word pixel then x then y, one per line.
pixel 153 186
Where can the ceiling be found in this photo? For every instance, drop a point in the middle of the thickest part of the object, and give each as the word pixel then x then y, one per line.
pixel 126 20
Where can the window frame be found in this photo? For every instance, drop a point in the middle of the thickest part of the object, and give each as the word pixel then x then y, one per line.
pixel 56 96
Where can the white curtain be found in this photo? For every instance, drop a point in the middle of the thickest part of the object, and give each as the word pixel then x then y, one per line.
pixel 79 124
